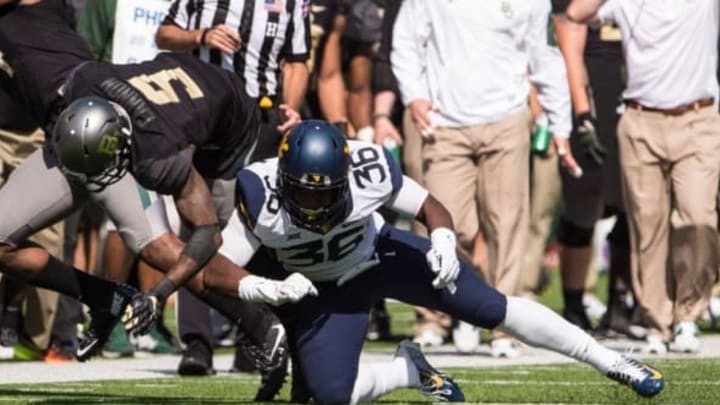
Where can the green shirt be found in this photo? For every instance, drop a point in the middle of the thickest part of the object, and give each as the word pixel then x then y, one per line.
pixel 96 25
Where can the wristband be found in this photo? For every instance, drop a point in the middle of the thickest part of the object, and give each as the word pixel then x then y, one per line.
pixel 203 36
pixel 163 289
pixel 377 116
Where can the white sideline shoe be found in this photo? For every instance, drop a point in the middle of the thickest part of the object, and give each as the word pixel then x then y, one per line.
pixel 466 337
pixel 686 338
pixel 505 347
pixel 428 338
pixel 654 345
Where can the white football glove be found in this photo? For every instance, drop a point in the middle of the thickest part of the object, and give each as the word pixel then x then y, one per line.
pixel 253 288
pixel 442 258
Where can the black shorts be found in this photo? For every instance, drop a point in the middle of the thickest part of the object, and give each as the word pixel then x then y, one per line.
pixel 598 190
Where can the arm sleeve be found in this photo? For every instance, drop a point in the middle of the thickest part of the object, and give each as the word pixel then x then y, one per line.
pixel 239 244
pixel 547 72
pixel 409 199
pixel 165 175
pixel 297 37
pixel 383 78
pixel 409 45
pixel 178 14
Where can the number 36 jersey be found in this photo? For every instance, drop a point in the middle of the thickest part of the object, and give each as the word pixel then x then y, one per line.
pixel 374 180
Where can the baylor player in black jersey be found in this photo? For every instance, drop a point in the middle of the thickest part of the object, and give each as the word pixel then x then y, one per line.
pixel 178 125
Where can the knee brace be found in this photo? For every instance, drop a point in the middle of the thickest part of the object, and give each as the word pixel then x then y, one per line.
pixel 574 236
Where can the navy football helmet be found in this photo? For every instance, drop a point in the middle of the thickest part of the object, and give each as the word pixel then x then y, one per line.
pixel 314 159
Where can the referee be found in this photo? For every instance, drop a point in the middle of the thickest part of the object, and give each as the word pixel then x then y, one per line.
pixel 266 42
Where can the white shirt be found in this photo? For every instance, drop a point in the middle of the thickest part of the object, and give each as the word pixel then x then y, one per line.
pixel 670 49
pixel 475 59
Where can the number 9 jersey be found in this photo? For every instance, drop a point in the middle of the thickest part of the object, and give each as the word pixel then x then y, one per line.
pixel 375 180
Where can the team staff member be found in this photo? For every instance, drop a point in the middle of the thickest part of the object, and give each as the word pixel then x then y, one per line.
pixel 669 142
pixel 466 84
pixel 177 133
pixel 265 44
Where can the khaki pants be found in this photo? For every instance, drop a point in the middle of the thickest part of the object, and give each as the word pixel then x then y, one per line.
pixel 481 174
pixel 425 319
pixel 670 167
pixel 41 304
pixel 545 191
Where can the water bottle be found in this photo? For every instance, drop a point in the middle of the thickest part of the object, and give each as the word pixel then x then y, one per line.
pixel 540 141
pixel 392 147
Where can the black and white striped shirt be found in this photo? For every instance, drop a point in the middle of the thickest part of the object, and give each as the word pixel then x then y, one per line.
pixel 271 31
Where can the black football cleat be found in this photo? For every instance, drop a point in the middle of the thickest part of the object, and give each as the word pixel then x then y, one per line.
pixel 102 321
pixel 270 356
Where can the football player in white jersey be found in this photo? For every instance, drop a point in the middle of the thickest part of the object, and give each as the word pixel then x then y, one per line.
pixel 312 210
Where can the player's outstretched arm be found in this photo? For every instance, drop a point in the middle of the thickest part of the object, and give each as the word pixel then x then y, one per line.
pixel 195 206
pixel 442 256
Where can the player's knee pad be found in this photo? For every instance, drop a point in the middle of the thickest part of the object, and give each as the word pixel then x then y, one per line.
pixel 572 235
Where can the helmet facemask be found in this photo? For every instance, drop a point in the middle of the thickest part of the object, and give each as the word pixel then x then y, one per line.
pixel 314 202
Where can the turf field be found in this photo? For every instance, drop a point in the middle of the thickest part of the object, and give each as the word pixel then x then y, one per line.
pixel 536 377
pixel 689 382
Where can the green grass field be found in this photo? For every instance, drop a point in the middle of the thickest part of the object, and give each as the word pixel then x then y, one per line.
pixel 690 382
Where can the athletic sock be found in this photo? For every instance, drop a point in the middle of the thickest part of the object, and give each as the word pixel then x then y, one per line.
pixel 377 379
pixel 93 291
pixel 573 300
pixel 538 326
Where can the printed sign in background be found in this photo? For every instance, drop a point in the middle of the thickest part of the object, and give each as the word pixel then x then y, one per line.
pixel 135 24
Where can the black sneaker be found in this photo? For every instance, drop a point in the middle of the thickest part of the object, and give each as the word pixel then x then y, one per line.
pixel 102 322
pixel 196 359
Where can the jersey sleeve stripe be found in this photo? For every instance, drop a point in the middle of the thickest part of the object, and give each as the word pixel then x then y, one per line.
pixel 396 176
pixel 251 194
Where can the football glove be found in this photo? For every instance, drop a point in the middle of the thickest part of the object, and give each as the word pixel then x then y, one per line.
pixel 442 258
pixel 253 288
pixel 141 313
pixel 589 138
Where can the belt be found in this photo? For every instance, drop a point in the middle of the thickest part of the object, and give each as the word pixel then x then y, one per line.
pixel 675 111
